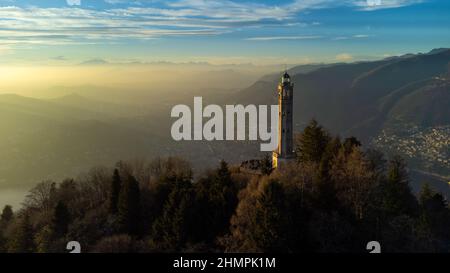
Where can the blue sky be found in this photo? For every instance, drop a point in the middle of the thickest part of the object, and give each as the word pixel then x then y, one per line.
pixel 225 31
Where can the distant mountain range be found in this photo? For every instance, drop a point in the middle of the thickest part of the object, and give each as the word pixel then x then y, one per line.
pixel 360 98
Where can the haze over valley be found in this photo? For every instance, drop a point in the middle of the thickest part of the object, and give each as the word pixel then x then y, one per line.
pixel 398 105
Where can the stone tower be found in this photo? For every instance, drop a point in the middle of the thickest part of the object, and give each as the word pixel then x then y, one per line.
pixel 285 151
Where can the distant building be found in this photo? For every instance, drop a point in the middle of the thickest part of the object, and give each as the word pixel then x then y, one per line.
pixel 285 151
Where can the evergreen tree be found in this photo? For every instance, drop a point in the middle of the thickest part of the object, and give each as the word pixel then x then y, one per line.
pixel 216 200
pixel 129 206
pixel 325 190
pixel 223 186
pixel 22 240
pixel 44 239
pixel 426 194
pixel 434 219
pixel 398 236
pixel 7 214
pixel 396 193
pixel 2 242
pixel 172 230
pixel 376 162
pixel 330 153
pixel 266 165
pixel 271 216
pixel 312 143
pixel 261 221
pixel 60 220
pixel 223 173
pixel 350 143
pixel 333 147
pixel 115 191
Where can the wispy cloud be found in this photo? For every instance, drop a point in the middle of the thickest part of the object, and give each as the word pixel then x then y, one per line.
pixel 75 25
pixel 145 19
pixel 370 5
pixel 272 38
pixel 357 36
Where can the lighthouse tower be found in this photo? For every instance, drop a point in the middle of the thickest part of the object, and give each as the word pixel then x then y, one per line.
pixel 285 151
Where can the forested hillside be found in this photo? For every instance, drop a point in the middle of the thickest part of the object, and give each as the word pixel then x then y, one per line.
pixel 335 198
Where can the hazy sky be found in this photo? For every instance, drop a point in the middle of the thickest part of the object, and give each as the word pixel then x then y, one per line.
pixel 256 31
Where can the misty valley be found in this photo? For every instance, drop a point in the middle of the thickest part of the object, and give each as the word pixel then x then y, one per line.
pixel 66 135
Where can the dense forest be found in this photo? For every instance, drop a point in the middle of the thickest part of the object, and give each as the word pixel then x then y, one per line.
pixel 336 197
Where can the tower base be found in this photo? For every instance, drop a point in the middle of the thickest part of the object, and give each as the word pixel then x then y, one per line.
pixel 278 160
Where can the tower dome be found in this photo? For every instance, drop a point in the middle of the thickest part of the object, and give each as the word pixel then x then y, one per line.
pixel 285 78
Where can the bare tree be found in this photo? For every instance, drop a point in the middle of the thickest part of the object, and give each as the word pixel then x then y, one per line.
pixel 40 197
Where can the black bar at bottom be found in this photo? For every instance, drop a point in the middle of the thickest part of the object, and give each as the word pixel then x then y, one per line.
pixel 130 263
